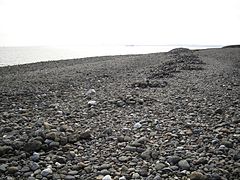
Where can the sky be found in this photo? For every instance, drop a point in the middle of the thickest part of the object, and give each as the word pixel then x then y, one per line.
pixel 119 22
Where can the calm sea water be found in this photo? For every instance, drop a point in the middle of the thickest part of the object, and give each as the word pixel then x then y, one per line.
pixel 24 55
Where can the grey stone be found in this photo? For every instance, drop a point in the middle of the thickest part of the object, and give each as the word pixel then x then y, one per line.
pixel 73 172
pixel 159 166
pixel 104 166
pixel 104 172
pixel 183 164
pixel 85 135
pixel 34 166
pixel 195 175
pixel 5 149
pixel 135 176
pixel 157 177
pixel 228 144
pixel 33 145
pixel 123 158
pixel 54 144
pixel 143 171
pixel 35 157
pixel 25 169
pixel 3 167
pixel 61 159
pixel 201 160
pixel 52 136
pixel 69 177
pixel 173 159
pixel 46 172
pixel 146 154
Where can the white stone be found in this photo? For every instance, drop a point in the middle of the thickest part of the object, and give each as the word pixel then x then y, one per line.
pixel 107 177
pixel 137 125
pixel 122 178
pixel 90 92
pixel 92 103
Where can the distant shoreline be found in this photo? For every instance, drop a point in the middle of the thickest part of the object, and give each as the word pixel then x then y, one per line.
pixel 31 54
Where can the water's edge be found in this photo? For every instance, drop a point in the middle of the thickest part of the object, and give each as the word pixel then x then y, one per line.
pixel 32 54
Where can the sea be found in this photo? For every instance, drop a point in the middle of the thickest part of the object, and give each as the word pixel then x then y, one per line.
pixel 31 54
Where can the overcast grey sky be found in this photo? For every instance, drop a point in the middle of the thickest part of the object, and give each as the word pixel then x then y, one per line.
pixel 96 22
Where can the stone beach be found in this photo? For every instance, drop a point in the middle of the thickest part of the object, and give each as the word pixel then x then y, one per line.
pixel 172 115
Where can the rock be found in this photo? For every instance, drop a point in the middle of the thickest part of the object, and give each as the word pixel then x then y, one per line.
pixel 183 164
pixel 120 103
pixel 215 177
pixel 219 111
pixel 61 159
pixel 52 136
pixel 201 160
pixel 123 158
pixel 143 171
pixel 85 135
pixel 195 175
pixel 90 92
pixel 134 149
pixel 157 177
pixel 54 144
pixel 146 154
pixel 228 144
pixel 223 148
pixel 173 159
pixel 25 169
pixel 35 157
pixel 159 166
pixel 236 156
pixel 69 177
pixel 104 166
pixel 155 154
pixel 3 167
pixel 137 125
pixel 34 166
pixel 12 169
pixel 5 149
pixel 107 177
pixel 33 145
pixel 108 131
pixel 92 103
pixel 104 172
pixel 139 141
pixel 135 176
pixel 122 178
pixel 47 171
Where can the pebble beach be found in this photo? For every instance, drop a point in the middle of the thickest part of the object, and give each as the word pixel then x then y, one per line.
pixel 172 115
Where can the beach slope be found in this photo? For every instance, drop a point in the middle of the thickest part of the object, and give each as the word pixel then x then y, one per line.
pixel 172 115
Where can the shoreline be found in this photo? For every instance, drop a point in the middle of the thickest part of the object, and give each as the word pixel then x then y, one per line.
pixel 33 54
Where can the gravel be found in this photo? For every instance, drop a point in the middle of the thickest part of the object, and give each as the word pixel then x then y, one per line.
pixel 172 115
